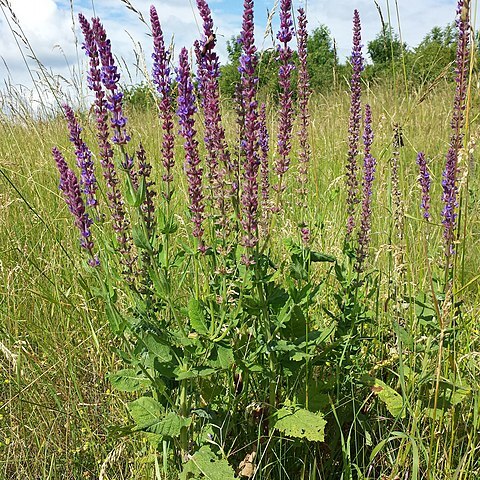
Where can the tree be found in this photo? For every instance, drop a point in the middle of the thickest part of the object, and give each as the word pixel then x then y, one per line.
pixel 229 74
pixel 322 58
pixel 386 48
pixel 434 55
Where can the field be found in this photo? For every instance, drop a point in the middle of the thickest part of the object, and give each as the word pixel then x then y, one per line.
pixel 399 389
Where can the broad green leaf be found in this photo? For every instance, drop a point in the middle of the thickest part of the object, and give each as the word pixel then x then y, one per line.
pixel 159 281
pixel 169 425
pixel 116 321
pixel 155 347
pixel 321 257
pixel 134 197
pixel 140 238
pixel 182 374
pixel 459 394
pixel 128 380
pixel 145 411
pixel 393 400
pixel 166 225
pixel 196 316
pixel 300 423
pixel 206 465
pixel 225 356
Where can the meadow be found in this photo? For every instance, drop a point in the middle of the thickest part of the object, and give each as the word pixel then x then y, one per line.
pixel 271 359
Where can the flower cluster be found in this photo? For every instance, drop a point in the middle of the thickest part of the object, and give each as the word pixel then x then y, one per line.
pixel 303 98
pixel 249 142
pixel 163 81
pixel 88 182
pixel 186 110
pixel 450 174
pixel 110 77
pixel 99 80
pixel 218 157
pixel 424 180
pixel 356 61
pixel 368 177
pixel 285 126
pixel 263 140
pixel 71 192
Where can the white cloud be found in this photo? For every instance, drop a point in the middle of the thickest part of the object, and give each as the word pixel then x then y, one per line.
pixel 417 18
pixel 48 26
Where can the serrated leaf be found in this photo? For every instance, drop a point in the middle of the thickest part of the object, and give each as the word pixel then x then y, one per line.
pixel 128 380
pixel 206 465
pixel 140 238
pixel 392 400
pixel 300 423
pixel 196 316
pixel 145 411
pixel 169 425
pixel 154 346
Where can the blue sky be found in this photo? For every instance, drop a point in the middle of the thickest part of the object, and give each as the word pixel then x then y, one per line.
pixel 55 39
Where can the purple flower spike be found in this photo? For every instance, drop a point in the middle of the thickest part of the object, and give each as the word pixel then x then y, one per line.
pixel 249 143
pixel 368 177
pixel 71 192
pixel 110 77
pixel 148 206
pixel 217 155
pixel 424 180
pixel 284 36
pixel 449 182
pixel 303 98
pixel 115 201
pixel 263 139
pixel 186 110
pixel 356 61
pixel 163 81
pixel 88 181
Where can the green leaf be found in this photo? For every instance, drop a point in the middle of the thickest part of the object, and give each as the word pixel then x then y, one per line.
pixel 393 400
pixel 197 316
pixel 116 321
pixel 153 344
pixel 300 423
pixel 166 225
pixel 225 356
pixel 128 380
pixel 321 257
pixel 206 465
pixel 140 238
pixel 134 197
pixel 145 411
pixel 154 421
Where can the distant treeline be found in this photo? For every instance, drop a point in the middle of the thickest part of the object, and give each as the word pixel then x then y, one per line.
pixel 431 61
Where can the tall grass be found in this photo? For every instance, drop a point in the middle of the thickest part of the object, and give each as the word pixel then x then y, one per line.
pixel 58 415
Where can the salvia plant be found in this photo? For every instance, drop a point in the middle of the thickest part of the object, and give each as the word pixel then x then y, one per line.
pixel 231 362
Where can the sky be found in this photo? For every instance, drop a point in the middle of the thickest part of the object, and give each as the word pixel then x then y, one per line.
pixel 51 29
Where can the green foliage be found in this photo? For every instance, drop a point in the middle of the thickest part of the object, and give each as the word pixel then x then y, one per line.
pixel 393 400
pixel 385 48
pixel 204 464
pixel 434 56
pixel 322 59
pixel 300 423
pixel 223 356
pixel 140 97
pixel 230 76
